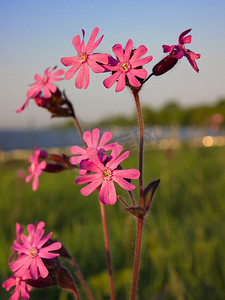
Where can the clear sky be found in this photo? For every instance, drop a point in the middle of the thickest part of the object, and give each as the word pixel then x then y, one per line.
pixel 36 34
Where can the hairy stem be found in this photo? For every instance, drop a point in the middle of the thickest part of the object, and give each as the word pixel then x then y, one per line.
pixel 137 258
pixel 81 278
pixel 109 264
pixel 141 147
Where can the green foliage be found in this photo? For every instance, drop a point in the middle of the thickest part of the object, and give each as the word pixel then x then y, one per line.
pixel 184 238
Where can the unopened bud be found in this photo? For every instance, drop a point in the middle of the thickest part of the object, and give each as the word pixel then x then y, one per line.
pixel 166 64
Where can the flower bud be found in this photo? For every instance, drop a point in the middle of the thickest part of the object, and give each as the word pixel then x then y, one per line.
pixel 166 64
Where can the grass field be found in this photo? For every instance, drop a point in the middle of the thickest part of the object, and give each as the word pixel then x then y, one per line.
pixel 184 236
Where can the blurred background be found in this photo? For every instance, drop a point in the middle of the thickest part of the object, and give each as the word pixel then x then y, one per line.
pixel 184 113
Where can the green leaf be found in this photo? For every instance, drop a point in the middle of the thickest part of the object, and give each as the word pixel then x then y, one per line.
pixel 149 192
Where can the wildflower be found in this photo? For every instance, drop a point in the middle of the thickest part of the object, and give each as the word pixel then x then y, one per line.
pixel 36 168
pixel 178 51
pixel 21 289
pixel 106 175
pixel 31 252
pixel 94 146
pixel 127 66
pixel 43 83
pixel 84 59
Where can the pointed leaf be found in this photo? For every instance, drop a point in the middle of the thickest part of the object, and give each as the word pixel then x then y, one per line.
pixel 149 193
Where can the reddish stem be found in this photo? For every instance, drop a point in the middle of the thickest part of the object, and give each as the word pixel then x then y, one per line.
pixel 104 224
pixel 81 278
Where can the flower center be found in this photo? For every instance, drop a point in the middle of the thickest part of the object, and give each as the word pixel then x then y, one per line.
pixel 125 66
pixel 32 167
pixel 33 252
pixel 17 279
pixel 107 173
pixel 82 57
pixel 45 79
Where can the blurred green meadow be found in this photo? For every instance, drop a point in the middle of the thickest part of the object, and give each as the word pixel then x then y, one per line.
pixel 184 237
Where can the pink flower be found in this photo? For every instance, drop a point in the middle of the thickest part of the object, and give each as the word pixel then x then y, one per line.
pixel 94 146
pixel 127 66
pixel 179 50
pixel 21 288
pixel 35 168
pixel 84 59
pixel 44 83
pixel 31 254
pixel 106 175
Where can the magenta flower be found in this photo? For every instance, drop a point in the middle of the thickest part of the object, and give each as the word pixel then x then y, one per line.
pixel 31 254
pixel 127 66
pixel 84 59
pixel 43 83
pixel 179 50
pixel 94 146
pixel 106 175
pixel 36 168
pixel 21 289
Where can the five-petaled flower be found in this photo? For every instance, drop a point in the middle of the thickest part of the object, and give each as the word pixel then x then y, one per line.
pixel 36 168
pixel 84 59
pixel 127 67
pixel 31 252
pixel 94 146
pixel 106 174
pixel 44 83
pixel 21 289
pixel 178 51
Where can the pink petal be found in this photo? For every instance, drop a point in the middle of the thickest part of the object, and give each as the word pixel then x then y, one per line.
pixel 76 43
pixel 69 61
pixel 23 106
pixel 87 178
pixel 53 247
pixel 142 73
pixel 79 82
pixel 133 80
pixel 167 48
pixel 187 39
pixel 57 73
pixel 118 51
pixel 103 58
pixel 104 139
pixel 91 45
pixel 39 243
pixel 128 50
pixel 113 164
pixel 42 269
pixel 37 237
pixel 182 36
pixel 128 173
pixel 77 150
pixel 96 68
pixel 95 137
pixel 142 62
pixel 108 82
pixel 87 190
pixel 124 184
pixel 86 75
pixel 96 167
pixel 74 160
pixel 33 268
pixel 35 183
pixel 87 137
pixel 71 72
pixel 121 82
pixel 138 53
pixel 107 194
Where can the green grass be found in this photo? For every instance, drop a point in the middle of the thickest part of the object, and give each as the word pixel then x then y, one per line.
pixel 184 237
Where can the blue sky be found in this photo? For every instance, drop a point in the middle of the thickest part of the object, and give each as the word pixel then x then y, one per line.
pixel 36 34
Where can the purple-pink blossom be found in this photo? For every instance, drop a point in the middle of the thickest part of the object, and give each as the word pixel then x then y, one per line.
pixel 21 289
pixel 36 168
pixel 127 67
pixel 44 84
pixel 105 175
pixel 85 59
pixel 31 252
pixel 94 146
pixel 178 51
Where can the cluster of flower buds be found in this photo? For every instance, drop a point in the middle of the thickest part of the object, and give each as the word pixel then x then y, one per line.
pixel 101 170
pixel 35 262
pixel 51 163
